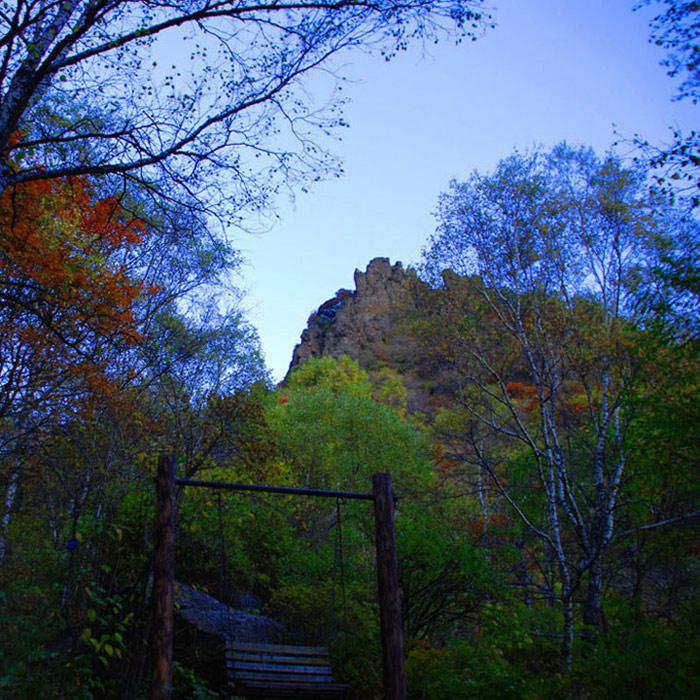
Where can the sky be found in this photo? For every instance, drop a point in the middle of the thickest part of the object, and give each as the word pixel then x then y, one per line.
pixel 552 70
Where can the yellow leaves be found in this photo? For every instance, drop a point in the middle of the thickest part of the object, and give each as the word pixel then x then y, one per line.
pixel 388 388
pixel 340 376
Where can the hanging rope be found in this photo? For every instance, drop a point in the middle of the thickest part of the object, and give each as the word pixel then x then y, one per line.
pixel 222 581
pixel 222 551
pixel 341 559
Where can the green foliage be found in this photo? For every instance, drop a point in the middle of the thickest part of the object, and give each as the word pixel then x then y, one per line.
pixel 76 447
pixel 29 620
pixel 338 376
pixel 459 671
pixel 332 434
pixel 63 638
pixel 189 686
pixel 566 385
pixel 443 575
pixel 389 389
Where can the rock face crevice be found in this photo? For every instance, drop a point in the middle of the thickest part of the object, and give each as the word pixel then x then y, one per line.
pixel 364 324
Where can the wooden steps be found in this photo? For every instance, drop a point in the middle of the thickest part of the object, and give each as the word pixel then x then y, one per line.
pixel 281 671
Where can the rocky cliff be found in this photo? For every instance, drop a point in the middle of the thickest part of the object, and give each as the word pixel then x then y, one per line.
pixel 365 324
pixel 372 325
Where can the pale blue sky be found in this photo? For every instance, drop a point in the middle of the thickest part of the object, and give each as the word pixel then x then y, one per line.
pixel 551 70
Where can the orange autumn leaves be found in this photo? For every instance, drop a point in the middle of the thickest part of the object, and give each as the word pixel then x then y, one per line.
pixel 66 288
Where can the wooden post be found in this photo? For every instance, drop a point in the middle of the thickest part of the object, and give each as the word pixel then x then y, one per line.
pixel 164 581
pixel 388 577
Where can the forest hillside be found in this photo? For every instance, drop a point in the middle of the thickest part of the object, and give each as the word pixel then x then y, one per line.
pixel 533 397
pixel 530 383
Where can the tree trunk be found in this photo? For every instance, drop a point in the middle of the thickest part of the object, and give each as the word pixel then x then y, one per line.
pixel 567 644
pixel 164 581
pixel 10 495
pixel 483 490
pixel 592 606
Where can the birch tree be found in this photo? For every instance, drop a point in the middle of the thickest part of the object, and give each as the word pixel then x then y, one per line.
pixel 553 248
pixel 676 30
pixel 205 101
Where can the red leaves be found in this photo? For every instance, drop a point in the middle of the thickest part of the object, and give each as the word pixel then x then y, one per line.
pixel 518 390
pixel 56 237
pixel 67 290
pixel 525 392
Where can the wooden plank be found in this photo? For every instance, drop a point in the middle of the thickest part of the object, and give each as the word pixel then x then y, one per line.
pixel 307 687
pixel 318 659
pixel 281 677
pixel 325 688
pixel 281 671
pixel 287 671
pixel 297 688
pixel 280 649
pixel 240 666
pixel 302 660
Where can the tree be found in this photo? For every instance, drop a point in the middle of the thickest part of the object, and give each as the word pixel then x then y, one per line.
pixel 86 477
pixel 104 87
pixel 67 300
pixel 83 275
pixel 677 31
pixel 334 435
pixel 87 306
pixel 65 288
pixel 197 368
pixel 554 247
pixel 332 432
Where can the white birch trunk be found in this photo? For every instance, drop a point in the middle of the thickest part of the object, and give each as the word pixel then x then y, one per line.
pixel 8 504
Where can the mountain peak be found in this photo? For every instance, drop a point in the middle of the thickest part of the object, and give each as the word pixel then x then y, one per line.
pixel 362 323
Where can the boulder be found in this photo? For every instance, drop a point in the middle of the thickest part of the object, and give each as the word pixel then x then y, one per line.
pixel 202 626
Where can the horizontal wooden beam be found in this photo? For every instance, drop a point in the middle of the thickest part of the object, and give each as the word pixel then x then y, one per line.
pixel 288 490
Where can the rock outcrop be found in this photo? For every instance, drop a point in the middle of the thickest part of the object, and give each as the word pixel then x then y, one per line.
pixel 364 324
pixel 202 625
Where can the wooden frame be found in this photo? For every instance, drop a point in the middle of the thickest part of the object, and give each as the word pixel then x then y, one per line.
pixel 164 572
